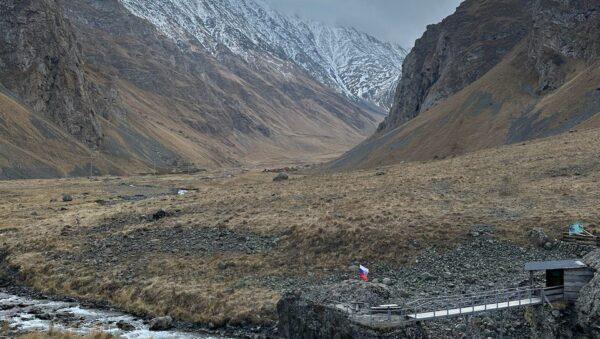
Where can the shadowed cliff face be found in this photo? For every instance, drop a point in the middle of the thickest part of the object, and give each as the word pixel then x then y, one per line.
pixel 496 72
pixel 41 65
pixel 562 30
pixel 455 53
pixel 465 46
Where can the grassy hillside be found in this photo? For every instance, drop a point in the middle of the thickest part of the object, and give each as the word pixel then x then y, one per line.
pixel 224 251
pixel 502 107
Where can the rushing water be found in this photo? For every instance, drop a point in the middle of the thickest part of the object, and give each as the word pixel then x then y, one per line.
pixel 28 315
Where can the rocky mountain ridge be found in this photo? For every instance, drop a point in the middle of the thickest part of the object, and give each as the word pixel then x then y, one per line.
pixel 456 52
pixel 493 73
pixel 351 62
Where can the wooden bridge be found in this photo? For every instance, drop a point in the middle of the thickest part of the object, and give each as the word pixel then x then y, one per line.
pixel 460 305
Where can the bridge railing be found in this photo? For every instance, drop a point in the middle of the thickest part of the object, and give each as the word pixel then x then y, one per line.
pixel 446 306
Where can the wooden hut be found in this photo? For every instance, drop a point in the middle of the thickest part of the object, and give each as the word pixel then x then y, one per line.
pixel 571 275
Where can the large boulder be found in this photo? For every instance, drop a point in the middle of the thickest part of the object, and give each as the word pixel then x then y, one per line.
pixel 538 237
pixel 160 214
pixel 161 324
pixel 281 177
pixel 125 326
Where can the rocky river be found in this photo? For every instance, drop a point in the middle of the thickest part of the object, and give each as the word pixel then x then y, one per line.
pixel 26 314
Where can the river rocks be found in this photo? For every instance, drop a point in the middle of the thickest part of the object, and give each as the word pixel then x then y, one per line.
pixel 31 310
pixel 125 326
pixel 161 324
pixel 282 176
pixel 387 281
pixel 66 197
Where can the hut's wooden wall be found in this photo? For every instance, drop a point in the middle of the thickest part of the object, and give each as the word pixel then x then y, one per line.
pixel 575 279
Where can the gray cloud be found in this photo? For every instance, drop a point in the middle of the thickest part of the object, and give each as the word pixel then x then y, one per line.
pixel 401 21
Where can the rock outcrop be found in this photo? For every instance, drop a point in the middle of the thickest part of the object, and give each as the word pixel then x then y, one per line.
pixel 466 45
pixel 588 304
pixel 562 30
pixel 494 73
pixel 303 318
pixel 41 64
pixel 456 52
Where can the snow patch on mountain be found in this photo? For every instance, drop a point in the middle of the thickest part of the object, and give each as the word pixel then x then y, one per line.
pixel 353 63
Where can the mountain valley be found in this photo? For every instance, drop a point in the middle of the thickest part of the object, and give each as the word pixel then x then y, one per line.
pixel 136 100
pixel 218 169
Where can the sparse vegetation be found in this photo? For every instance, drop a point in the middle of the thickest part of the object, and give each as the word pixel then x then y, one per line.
pixel 263 237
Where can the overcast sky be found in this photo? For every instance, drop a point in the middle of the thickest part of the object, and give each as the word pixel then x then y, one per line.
pixel 401 21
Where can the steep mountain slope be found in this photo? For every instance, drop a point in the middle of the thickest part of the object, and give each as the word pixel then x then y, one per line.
pixel 512 79
pixel 121 92
pixel 351 62
pixel 52 111
pixel 40 63
pixel 223 111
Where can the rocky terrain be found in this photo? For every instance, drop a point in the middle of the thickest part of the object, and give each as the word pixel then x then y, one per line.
pixel 219 248
pixel 42 65
pixel 456 52
pixel 483 263
pixel 493 73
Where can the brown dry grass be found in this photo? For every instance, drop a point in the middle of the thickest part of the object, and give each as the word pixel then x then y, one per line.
pixel 322 223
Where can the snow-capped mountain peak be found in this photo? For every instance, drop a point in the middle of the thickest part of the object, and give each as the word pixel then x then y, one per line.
pixel 351 62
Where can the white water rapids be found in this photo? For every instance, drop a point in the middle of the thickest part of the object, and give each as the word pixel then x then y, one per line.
pixel 28 315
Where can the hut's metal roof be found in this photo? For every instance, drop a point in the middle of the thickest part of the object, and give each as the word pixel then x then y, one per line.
pixel 554 265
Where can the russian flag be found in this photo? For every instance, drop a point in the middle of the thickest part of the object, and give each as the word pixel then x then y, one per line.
pixel 363 273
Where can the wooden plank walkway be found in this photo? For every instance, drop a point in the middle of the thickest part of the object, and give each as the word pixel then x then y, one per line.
pixel 449 306
pixel 475 309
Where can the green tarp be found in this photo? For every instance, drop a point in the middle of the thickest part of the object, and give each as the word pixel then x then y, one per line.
pixel 576 228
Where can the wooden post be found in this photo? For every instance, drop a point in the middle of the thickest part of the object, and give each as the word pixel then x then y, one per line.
pixel 497 305
pixel 531 278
